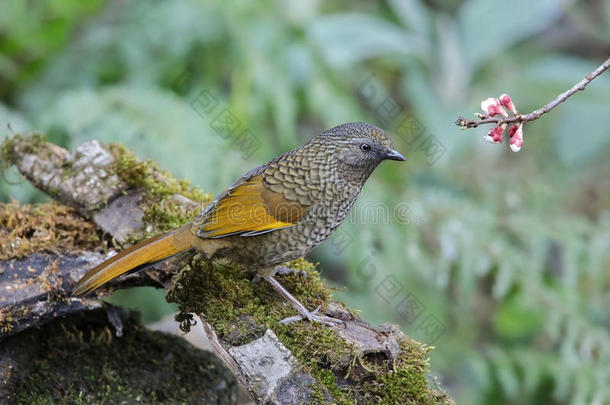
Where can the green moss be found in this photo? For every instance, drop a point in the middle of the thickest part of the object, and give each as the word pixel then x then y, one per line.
pixel 404 381
pixel 16 145
pixel 324 354
pixel 80 360
pixel 9 316
pixel 240 310
pixel 161 209
pixel 145 175
pixel 25 229
pixel 166 214
pixel 224 292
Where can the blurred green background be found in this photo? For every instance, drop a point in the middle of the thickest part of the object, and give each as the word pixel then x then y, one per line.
pixel 499 259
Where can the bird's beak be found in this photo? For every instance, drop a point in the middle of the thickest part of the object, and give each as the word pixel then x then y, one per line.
pixel 393 154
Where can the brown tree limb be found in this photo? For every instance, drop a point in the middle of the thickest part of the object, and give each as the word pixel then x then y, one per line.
pixel 534 115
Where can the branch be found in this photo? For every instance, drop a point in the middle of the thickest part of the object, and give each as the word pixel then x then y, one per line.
pixel 299 363
pixel 534 115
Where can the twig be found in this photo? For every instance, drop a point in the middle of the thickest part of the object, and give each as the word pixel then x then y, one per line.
pixel 534 115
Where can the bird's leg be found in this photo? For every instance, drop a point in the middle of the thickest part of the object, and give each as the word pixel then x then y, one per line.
pixel 304 313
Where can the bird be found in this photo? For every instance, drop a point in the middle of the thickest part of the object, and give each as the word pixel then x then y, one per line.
pixel 275 213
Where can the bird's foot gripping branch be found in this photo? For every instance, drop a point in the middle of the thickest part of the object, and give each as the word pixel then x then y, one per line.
pixel 120 199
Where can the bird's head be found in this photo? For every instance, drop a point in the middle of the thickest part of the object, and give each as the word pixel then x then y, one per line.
pixel 360 147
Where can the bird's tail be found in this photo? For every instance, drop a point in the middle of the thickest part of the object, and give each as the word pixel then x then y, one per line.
pixel 147 252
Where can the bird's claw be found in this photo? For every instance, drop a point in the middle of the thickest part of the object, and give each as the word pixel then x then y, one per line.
pixel 312 317
pixel 278 270
pixel 286 271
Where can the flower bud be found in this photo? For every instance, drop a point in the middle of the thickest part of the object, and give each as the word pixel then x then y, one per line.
pixel 515 133
pixel 495 134
pixel 506 101
pixel 492 107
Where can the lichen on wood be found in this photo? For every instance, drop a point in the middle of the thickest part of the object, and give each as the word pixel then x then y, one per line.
pixel 81 178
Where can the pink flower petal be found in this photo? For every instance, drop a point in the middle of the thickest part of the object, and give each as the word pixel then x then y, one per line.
pixel 493 107
pixel 507 102
pixel 515 132
pixel 495 134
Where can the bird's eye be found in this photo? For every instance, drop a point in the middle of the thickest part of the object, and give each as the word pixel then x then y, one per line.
pixel 365 147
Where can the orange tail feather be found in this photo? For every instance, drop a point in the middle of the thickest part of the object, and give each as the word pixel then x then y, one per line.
pixel 150 251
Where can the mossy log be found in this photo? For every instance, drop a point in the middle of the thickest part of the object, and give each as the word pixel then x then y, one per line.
pixel 79 359
pixel 109 199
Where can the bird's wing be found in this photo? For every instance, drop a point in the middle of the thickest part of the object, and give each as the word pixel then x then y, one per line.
pixel 250 207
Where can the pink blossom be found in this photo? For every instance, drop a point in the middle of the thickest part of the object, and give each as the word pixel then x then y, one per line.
pixel 515 133
pixel 506 101
pixel 495 134
pixel 493 107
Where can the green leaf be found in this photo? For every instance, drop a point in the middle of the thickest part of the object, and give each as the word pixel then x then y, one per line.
pixel 582 130
pixel 350 37
pixel 12 184
pixel 489 27
pixel 158 125
pixel 562 72
pixel 515 319
pixel 413 14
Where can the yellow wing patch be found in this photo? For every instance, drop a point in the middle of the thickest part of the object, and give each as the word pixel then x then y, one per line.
pixel 249 208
